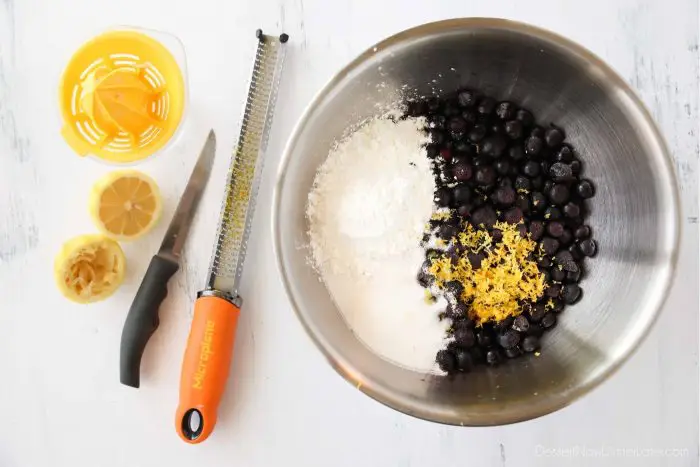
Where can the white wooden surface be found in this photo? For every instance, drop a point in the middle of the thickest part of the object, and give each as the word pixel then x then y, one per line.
pixel 60 399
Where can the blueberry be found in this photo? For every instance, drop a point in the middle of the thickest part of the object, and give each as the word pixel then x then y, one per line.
pixel 464 210
pixel 565 259
pixel 548 185
pixel 437 121
pixel 447 231
pixel 585 189
pixel 522 183
pixel 486 106
pixel 546 276
pixel 572 210
pixel 433 105
pixel 533 146
pixel 549 245
pixel 535 330
pixel 465 337
pixel 516 153
pixel 575 252
pixel 432 151
pixel 493 358
pixel 557 274
pixel 432 254
pixel 514 129
pixel 553 290
pixel 485 175
pixel 484 215
pixel 564 154
pixel 437 136
pixel 470 117
pixel 523 202
pixel 457 312
pixel 553 136
pixel 588 247
pixel 481 161
pixel 484 338
pixel 571 293
pixel 531 169
pixel 502 167
pixel 446 154
pixel 552 213
pixel 566 237
pixel 549 320
pixel 508 339
pixel 545 262
pixel 417 108
pixel 457 125
pixel 478 356
pixel 559 194
pixel 494 146
pixel 477 133
pixel 530 344
pixel 558 305
pixel 582 232
pixel 576 166
pixel 513 215
pixel 505 181
pixel 498 129
pixel 505 196
pixel 505 110
pixel 475 259
pixel 467 98
pixel 555 228
pixel 537 312
pixel 424 280
pixel 461 194
pixel 513 353
pixel 536 230
pixel 462 172
pixel 460 158
pixel 446 361
pixel 538 183
pixel 561 172
pixel 443 196
pixel 464 360
pixel 539 201
pixel 464 148
pixel 451 108
pixel 524 117
pixel 521 324
pixel 503 325
pixel 574 276
pixel 537 132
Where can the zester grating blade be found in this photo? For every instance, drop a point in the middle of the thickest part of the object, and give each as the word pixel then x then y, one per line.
pixel 246 167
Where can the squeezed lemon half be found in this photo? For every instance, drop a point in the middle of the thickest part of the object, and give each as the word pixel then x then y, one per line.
pixel 89 268
pixel 125 204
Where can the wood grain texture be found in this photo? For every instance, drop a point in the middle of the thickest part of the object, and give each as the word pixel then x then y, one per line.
pixel 61 399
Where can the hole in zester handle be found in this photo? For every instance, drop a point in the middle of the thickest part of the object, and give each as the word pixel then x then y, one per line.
pixel 192 424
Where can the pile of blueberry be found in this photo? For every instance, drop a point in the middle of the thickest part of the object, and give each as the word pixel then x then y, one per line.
pixel 493 162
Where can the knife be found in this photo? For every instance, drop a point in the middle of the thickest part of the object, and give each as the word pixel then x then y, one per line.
pixel 142 320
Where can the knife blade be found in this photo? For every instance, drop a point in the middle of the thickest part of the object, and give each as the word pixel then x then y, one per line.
pixel 142 319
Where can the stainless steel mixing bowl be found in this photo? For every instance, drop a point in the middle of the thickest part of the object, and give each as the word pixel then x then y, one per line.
pixel 635 214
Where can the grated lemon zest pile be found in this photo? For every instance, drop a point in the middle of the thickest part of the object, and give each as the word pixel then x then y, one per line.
pixel 506 279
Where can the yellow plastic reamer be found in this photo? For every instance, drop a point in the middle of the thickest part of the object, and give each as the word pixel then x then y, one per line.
pixel 122 97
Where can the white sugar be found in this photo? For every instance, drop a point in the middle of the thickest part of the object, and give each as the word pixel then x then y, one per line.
pixel 367 212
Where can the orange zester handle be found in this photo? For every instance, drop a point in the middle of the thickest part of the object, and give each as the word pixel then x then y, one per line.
pixel 205 367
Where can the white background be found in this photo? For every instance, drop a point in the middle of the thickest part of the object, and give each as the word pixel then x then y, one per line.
pixel 60 400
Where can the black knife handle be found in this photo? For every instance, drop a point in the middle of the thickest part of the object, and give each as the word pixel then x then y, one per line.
pixel 142 320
